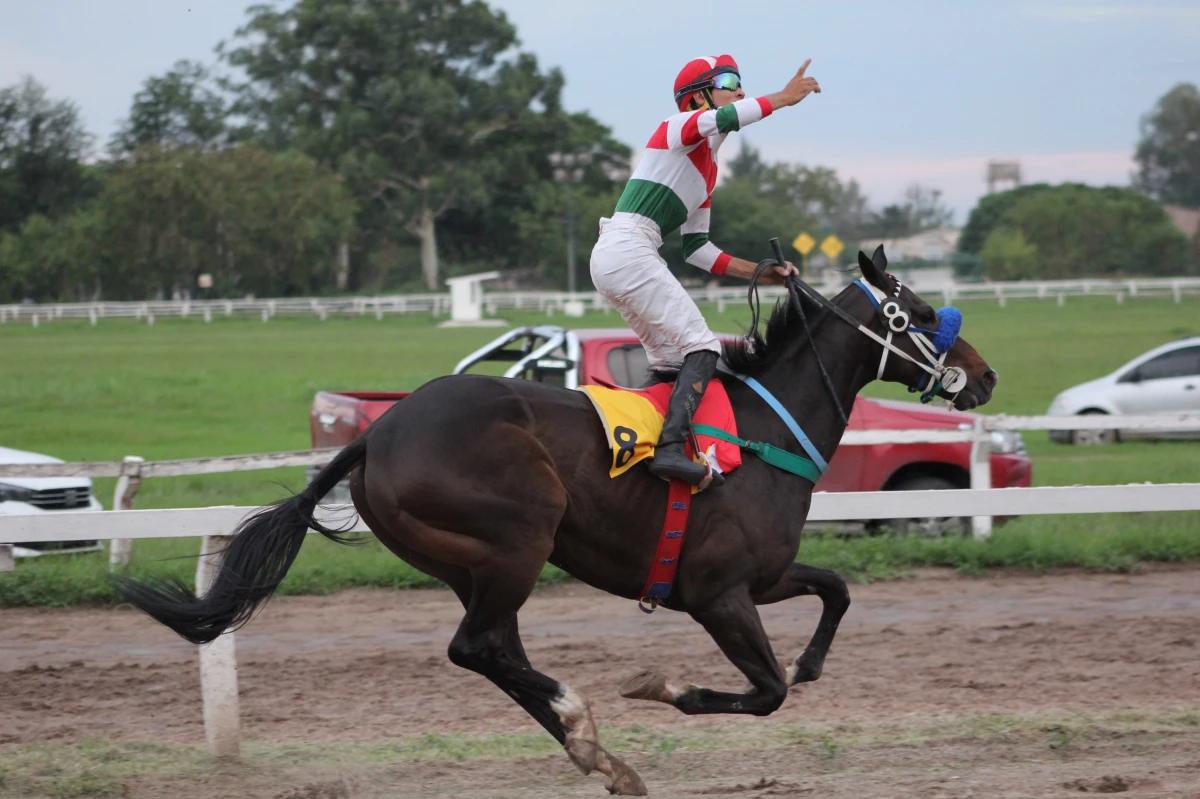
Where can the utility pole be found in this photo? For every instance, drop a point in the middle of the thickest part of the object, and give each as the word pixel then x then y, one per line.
pixel 568 170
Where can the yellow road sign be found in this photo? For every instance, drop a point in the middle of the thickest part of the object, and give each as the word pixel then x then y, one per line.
pixel 832 246
pixel 804 243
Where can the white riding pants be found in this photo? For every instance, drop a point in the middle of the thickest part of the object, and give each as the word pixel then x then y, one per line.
pixel 629 272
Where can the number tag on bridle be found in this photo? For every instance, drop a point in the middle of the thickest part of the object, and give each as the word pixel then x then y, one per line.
pixel 895 314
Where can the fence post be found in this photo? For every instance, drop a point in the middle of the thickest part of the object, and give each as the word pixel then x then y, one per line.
pixel 218 663
pixel 120 549
pixel 981 474
pixel 6 557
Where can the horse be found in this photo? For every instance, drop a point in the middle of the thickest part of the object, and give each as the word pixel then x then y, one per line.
pixel 480 481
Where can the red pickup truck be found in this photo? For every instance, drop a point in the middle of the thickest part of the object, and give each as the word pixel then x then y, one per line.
pixel 571 358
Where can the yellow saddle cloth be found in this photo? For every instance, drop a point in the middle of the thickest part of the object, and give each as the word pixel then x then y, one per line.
pixel 633 421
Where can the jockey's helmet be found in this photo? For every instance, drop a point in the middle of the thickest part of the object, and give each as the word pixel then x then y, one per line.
pixel 702 75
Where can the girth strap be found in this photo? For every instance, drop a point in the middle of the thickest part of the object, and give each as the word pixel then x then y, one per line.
pixel 779 458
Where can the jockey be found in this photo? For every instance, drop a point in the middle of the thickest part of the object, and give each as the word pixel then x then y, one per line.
pixel 672 188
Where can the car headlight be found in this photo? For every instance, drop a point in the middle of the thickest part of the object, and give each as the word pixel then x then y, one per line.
pixel 1007 441
pixel 15 493
pixel 1059 405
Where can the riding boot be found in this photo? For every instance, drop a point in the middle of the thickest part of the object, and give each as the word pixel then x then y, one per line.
pixel 654 376
pixel 670 455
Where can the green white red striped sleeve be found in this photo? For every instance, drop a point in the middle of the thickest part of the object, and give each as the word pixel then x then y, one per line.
pixel 690 128
pixel 697 249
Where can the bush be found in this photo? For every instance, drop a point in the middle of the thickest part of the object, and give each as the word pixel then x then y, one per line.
pixel 1008 255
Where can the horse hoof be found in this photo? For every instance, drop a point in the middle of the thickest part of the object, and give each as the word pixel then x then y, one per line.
pixel 804 670
pixel 624 781
pixel 646 685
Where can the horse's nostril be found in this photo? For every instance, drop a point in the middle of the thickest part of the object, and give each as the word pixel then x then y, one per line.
pixel 990 378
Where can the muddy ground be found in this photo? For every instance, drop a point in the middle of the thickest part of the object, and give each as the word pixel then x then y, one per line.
pixel 938 686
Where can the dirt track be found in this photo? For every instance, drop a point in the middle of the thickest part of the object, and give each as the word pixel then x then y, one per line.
pixel 911 657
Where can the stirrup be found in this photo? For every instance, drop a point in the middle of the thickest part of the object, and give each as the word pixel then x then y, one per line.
pixel 711 477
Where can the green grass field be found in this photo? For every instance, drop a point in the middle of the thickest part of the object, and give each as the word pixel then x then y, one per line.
pixel 185 389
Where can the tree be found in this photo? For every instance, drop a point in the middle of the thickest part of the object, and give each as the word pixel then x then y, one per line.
pixel 258 222
pixel 541 230
pixel 181 108
pixel 921 210
pixel 525 223
pixel 747 213
pixel 42 147
pixel 422 105
pixel 759 201
pixel 1079 230
pixel 985 216
pixel 747 164
pixel 1168 154
pixel 51 260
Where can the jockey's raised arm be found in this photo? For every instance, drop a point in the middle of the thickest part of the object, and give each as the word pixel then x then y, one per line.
pixel 690 128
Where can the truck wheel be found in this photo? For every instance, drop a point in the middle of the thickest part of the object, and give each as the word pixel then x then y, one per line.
pixel 931 526
pixel 1093 438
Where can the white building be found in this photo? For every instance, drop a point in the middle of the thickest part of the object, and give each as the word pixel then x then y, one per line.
pixel 935 245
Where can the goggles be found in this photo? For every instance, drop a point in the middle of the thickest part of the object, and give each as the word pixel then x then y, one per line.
pixel 729 81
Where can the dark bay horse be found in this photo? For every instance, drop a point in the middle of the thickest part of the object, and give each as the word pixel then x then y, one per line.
pixel 479 481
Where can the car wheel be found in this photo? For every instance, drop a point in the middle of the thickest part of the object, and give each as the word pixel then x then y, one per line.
pixel 930 526
pixel 1093 438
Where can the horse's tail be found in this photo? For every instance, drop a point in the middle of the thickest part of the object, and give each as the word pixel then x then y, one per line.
pixel 254 564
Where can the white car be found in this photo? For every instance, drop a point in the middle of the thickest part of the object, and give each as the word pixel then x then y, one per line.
pixel 1165 380
pixel 25 495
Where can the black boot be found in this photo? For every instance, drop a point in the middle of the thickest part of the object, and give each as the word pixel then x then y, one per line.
pixel 670 457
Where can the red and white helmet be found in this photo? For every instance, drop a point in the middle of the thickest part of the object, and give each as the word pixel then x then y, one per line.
pixel 697 75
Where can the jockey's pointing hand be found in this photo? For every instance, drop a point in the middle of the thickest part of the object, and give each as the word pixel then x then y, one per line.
pixel 798 87
pixel 796 90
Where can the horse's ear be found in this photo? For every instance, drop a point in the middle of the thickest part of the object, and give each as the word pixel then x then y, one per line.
pixel 872 273
pixel 879 259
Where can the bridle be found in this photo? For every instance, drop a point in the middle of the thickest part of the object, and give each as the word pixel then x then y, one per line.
pixel 897 318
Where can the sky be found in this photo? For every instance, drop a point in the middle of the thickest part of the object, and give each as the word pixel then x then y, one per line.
pixel 925 91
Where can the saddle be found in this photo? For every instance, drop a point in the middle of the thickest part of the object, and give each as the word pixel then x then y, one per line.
pixel 633 420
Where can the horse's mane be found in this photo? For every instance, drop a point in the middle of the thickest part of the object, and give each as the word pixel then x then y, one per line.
pixel 755 352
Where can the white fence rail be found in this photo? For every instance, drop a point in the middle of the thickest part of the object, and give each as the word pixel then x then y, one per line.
pixel 555 301
pixel 218 664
